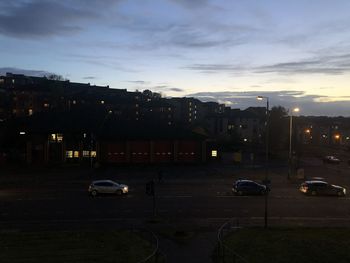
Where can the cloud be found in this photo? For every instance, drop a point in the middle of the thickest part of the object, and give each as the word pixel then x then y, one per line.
pixel 139 82
pixel 176 89
pixel 191 3
pixel 214 68
pixel 27 72
pixel 89 77
pixel 309 104
pixel 331 65
pixel 43 18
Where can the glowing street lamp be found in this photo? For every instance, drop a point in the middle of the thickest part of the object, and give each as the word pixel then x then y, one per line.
pixel 290 139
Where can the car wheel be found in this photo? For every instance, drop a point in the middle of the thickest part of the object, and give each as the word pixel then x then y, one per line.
pixel 119 192
pixel 313 193
pixel 93 192
pixel 263 192
pixel 240 193
pixel 340 193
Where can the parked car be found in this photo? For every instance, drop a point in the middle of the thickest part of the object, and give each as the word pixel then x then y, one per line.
pixel 321 188
pixel 249 187
pixel 107 187
pixel 331 159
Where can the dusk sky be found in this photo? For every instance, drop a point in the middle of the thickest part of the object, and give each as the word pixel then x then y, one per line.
pixel 295 52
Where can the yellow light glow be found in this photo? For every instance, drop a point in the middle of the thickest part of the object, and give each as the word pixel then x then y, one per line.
pixel 337 136
pixel 307 131
pixel 296 109
pixel 214 153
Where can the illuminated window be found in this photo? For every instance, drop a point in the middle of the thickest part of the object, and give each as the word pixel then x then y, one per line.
pixel 86 154
pixel 74 102
pixel 46 105
pixel 136 105
pixel 30 112
pixel 189 120
pixel 214 153
pixel 69 154
pixel 53 137
pixel 76 154
pixel 59 137
pixel 169 109
pixel 93 154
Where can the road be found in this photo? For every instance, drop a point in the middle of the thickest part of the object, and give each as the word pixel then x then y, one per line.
pixel 195 196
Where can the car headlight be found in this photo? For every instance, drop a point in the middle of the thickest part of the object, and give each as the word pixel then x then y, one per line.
pixel 125 188
pixel 344 190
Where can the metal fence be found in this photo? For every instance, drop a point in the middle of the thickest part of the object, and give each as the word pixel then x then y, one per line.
pixel 156 256
pixel 226 254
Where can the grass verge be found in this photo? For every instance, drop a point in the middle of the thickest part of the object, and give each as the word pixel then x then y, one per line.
pixel 113 246
pixel 302 245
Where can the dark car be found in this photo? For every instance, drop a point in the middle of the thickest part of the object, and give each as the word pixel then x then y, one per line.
pixel 321 188
pixel 249 187
pixel 331 159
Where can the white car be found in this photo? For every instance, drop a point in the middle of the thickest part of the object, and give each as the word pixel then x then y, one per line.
pixel 107 187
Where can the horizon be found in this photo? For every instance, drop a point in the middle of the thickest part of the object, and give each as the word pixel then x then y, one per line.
pixel 295 53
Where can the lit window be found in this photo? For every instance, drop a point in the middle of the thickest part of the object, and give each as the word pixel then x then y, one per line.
pixel 86 154
pixel 136 105
pixel 169 123
pixel 214 153
pixel 76 154
pixel 74 102
pixel 93 154
pixel 137 113
pixel 30 112
pixel 69 154
pixel 46 105
pixel 169 109
pixel 190 103
pixel 53 137
pixel 59 137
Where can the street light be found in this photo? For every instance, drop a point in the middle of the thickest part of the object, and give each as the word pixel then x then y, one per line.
pixel 267 152
pixel 290 140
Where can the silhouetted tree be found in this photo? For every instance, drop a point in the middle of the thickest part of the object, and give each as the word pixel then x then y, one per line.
pixel 278 129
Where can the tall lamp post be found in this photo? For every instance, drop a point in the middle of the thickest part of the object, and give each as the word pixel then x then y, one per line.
pixel 267 152
pixel 290 140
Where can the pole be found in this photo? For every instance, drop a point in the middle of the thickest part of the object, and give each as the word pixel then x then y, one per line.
pixel 266 158
pixel 290 145
pixel 154 200
pixel 91 148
